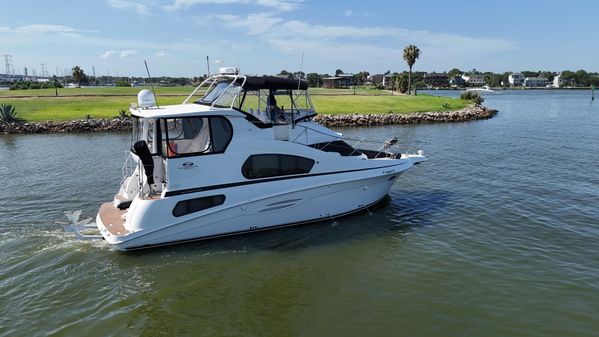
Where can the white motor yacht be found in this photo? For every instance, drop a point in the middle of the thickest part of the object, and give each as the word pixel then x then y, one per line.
pixel 244 157
pixel 483 89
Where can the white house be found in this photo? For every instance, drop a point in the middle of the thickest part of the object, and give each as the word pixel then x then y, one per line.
pixel 535 82
pixel 558 81
pixel 474 79
pixel 516 79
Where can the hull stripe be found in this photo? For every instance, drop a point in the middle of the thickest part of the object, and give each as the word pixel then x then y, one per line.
pixel 268 180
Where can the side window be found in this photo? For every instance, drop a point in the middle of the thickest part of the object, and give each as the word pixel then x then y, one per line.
pixel 222 132
pixel 255 103
pixel 273 165
pixel 195 135
pixel 197 204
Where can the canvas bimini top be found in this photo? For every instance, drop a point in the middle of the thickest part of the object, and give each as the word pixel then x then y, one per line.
pixel 271 83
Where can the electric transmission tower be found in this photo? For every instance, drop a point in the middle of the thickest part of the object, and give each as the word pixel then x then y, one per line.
pixel 8 64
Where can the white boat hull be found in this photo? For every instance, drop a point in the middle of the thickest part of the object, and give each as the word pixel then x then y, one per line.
pixel 265 210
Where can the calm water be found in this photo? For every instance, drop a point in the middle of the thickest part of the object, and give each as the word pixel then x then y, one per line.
pixel 496 235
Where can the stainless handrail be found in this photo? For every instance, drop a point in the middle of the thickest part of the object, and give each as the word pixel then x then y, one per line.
pixel 384 147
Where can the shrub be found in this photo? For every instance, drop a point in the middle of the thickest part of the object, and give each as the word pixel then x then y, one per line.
pixel 123 114
pixel 123 82
pixel 8 114
pixel 472 96
pixel 24 85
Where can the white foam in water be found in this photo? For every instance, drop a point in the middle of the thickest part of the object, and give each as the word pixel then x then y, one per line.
pixel 83 229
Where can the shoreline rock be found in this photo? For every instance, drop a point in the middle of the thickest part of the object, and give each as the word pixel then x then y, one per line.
pixel 76 126
pixel 476 112
pixel 125 124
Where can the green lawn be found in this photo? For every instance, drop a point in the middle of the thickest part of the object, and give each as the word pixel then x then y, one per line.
pixel 385 104
pixel 103 104
pixel 132 91
pixel 69 108
pixel 359 91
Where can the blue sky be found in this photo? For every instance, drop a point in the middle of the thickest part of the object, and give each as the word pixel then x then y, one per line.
pixel 265 36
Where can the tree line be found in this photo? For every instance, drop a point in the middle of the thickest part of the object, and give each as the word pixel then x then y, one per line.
pixel 401 80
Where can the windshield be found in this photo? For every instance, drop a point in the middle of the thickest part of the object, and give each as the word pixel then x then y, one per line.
pixel 213 94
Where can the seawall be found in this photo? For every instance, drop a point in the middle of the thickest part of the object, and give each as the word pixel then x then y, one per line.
pixel 125 124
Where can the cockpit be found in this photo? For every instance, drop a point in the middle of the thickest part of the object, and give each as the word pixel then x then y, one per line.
pixel 265 100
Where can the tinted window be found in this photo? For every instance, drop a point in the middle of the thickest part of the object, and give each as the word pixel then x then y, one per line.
pixel 221 134
pixel 195 135
pixel 272 165
pixel 197 204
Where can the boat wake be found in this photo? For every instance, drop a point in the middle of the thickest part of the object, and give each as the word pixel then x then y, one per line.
pixel 83 229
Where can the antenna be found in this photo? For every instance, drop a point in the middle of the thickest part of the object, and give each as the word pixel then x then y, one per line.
pixel 299 84
pixel 151 84
pixel 299 80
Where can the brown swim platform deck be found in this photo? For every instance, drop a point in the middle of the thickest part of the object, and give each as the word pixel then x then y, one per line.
pixel 111 218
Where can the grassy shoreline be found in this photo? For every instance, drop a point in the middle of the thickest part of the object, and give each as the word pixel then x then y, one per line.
pixel 41 104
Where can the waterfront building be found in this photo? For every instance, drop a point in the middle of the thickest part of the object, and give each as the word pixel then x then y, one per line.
pixel 474 79
pixel 339 81
pixel 516 79
pixel 436 79
pixel 558 81
pixel 379 79
pixel 535 82
pixel 457 81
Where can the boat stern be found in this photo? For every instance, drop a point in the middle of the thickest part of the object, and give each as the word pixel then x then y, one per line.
pixel 111 223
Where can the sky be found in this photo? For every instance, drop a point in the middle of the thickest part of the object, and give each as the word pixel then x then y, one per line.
pixel 114 37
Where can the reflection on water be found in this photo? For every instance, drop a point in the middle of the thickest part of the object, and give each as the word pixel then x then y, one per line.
pixel 495 234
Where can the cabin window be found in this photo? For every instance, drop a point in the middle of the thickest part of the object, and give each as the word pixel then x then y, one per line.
pixel 274 165
pixel 144 129
pixel 197 204
pixel 189 136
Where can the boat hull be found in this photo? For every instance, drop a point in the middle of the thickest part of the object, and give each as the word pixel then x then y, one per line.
pixel 301 206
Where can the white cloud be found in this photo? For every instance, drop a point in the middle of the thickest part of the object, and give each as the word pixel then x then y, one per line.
pixel 128 52
pixel 40 29
pixel 108 54
pixel 161 54
pixel 349 12
pixel 129 6
pixel 361 46
pixel 280 29
pixel 252 24
pixel 277 5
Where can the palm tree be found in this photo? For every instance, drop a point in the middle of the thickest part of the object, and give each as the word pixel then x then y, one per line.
pixel 78 75
pixel 410 55
pixel 55 81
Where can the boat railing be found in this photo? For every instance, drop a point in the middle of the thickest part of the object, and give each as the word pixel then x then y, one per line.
pixel 374 148
pixel 128 167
